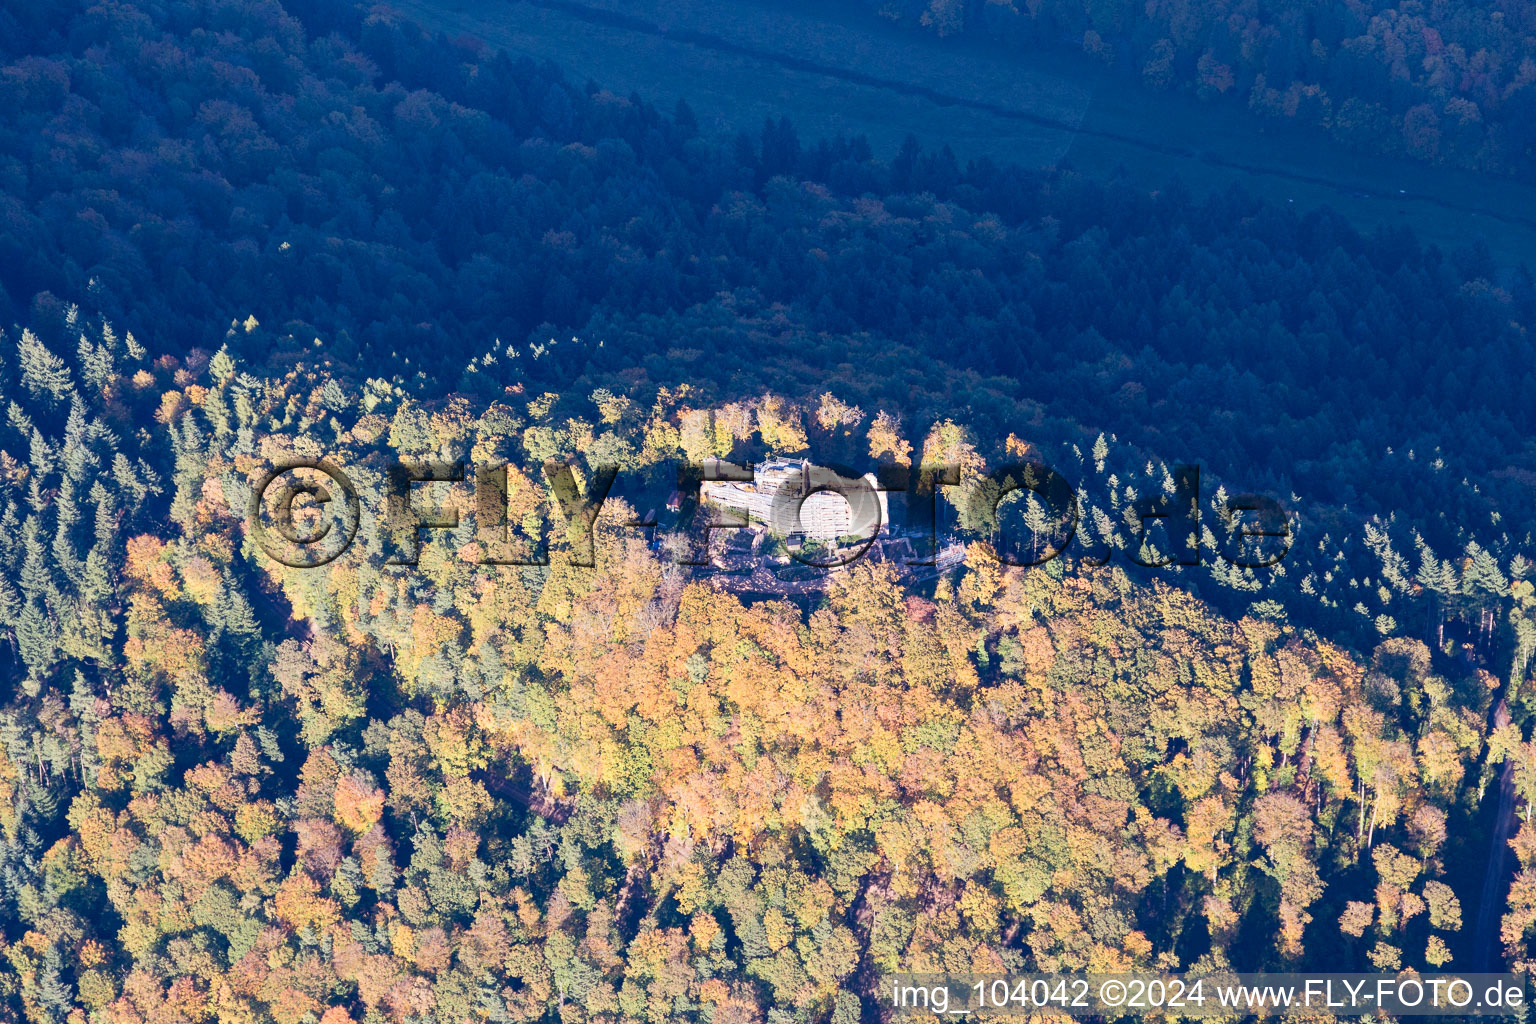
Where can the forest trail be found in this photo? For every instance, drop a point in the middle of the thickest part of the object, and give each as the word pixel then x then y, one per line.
pixel 1485 949
pixel 831 71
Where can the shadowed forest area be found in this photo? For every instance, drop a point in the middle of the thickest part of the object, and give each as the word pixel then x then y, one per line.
pixel 1029 95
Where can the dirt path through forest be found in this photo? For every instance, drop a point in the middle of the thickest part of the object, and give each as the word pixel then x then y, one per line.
pixel 1496 875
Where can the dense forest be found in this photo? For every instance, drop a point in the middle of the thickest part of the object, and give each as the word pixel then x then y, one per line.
pixel 233 234
pixel 455 792
pixel 1446 81
pixel 421 207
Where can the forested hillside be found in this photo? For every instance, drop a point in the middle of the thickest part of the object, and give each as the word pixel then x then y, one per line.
pixel 1446 82
pixel 417 206
pixel 232 234
pixel 463 792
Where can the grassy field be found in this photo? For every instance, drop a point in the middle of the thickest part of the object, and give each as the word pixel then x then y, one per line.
pixel 740 61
